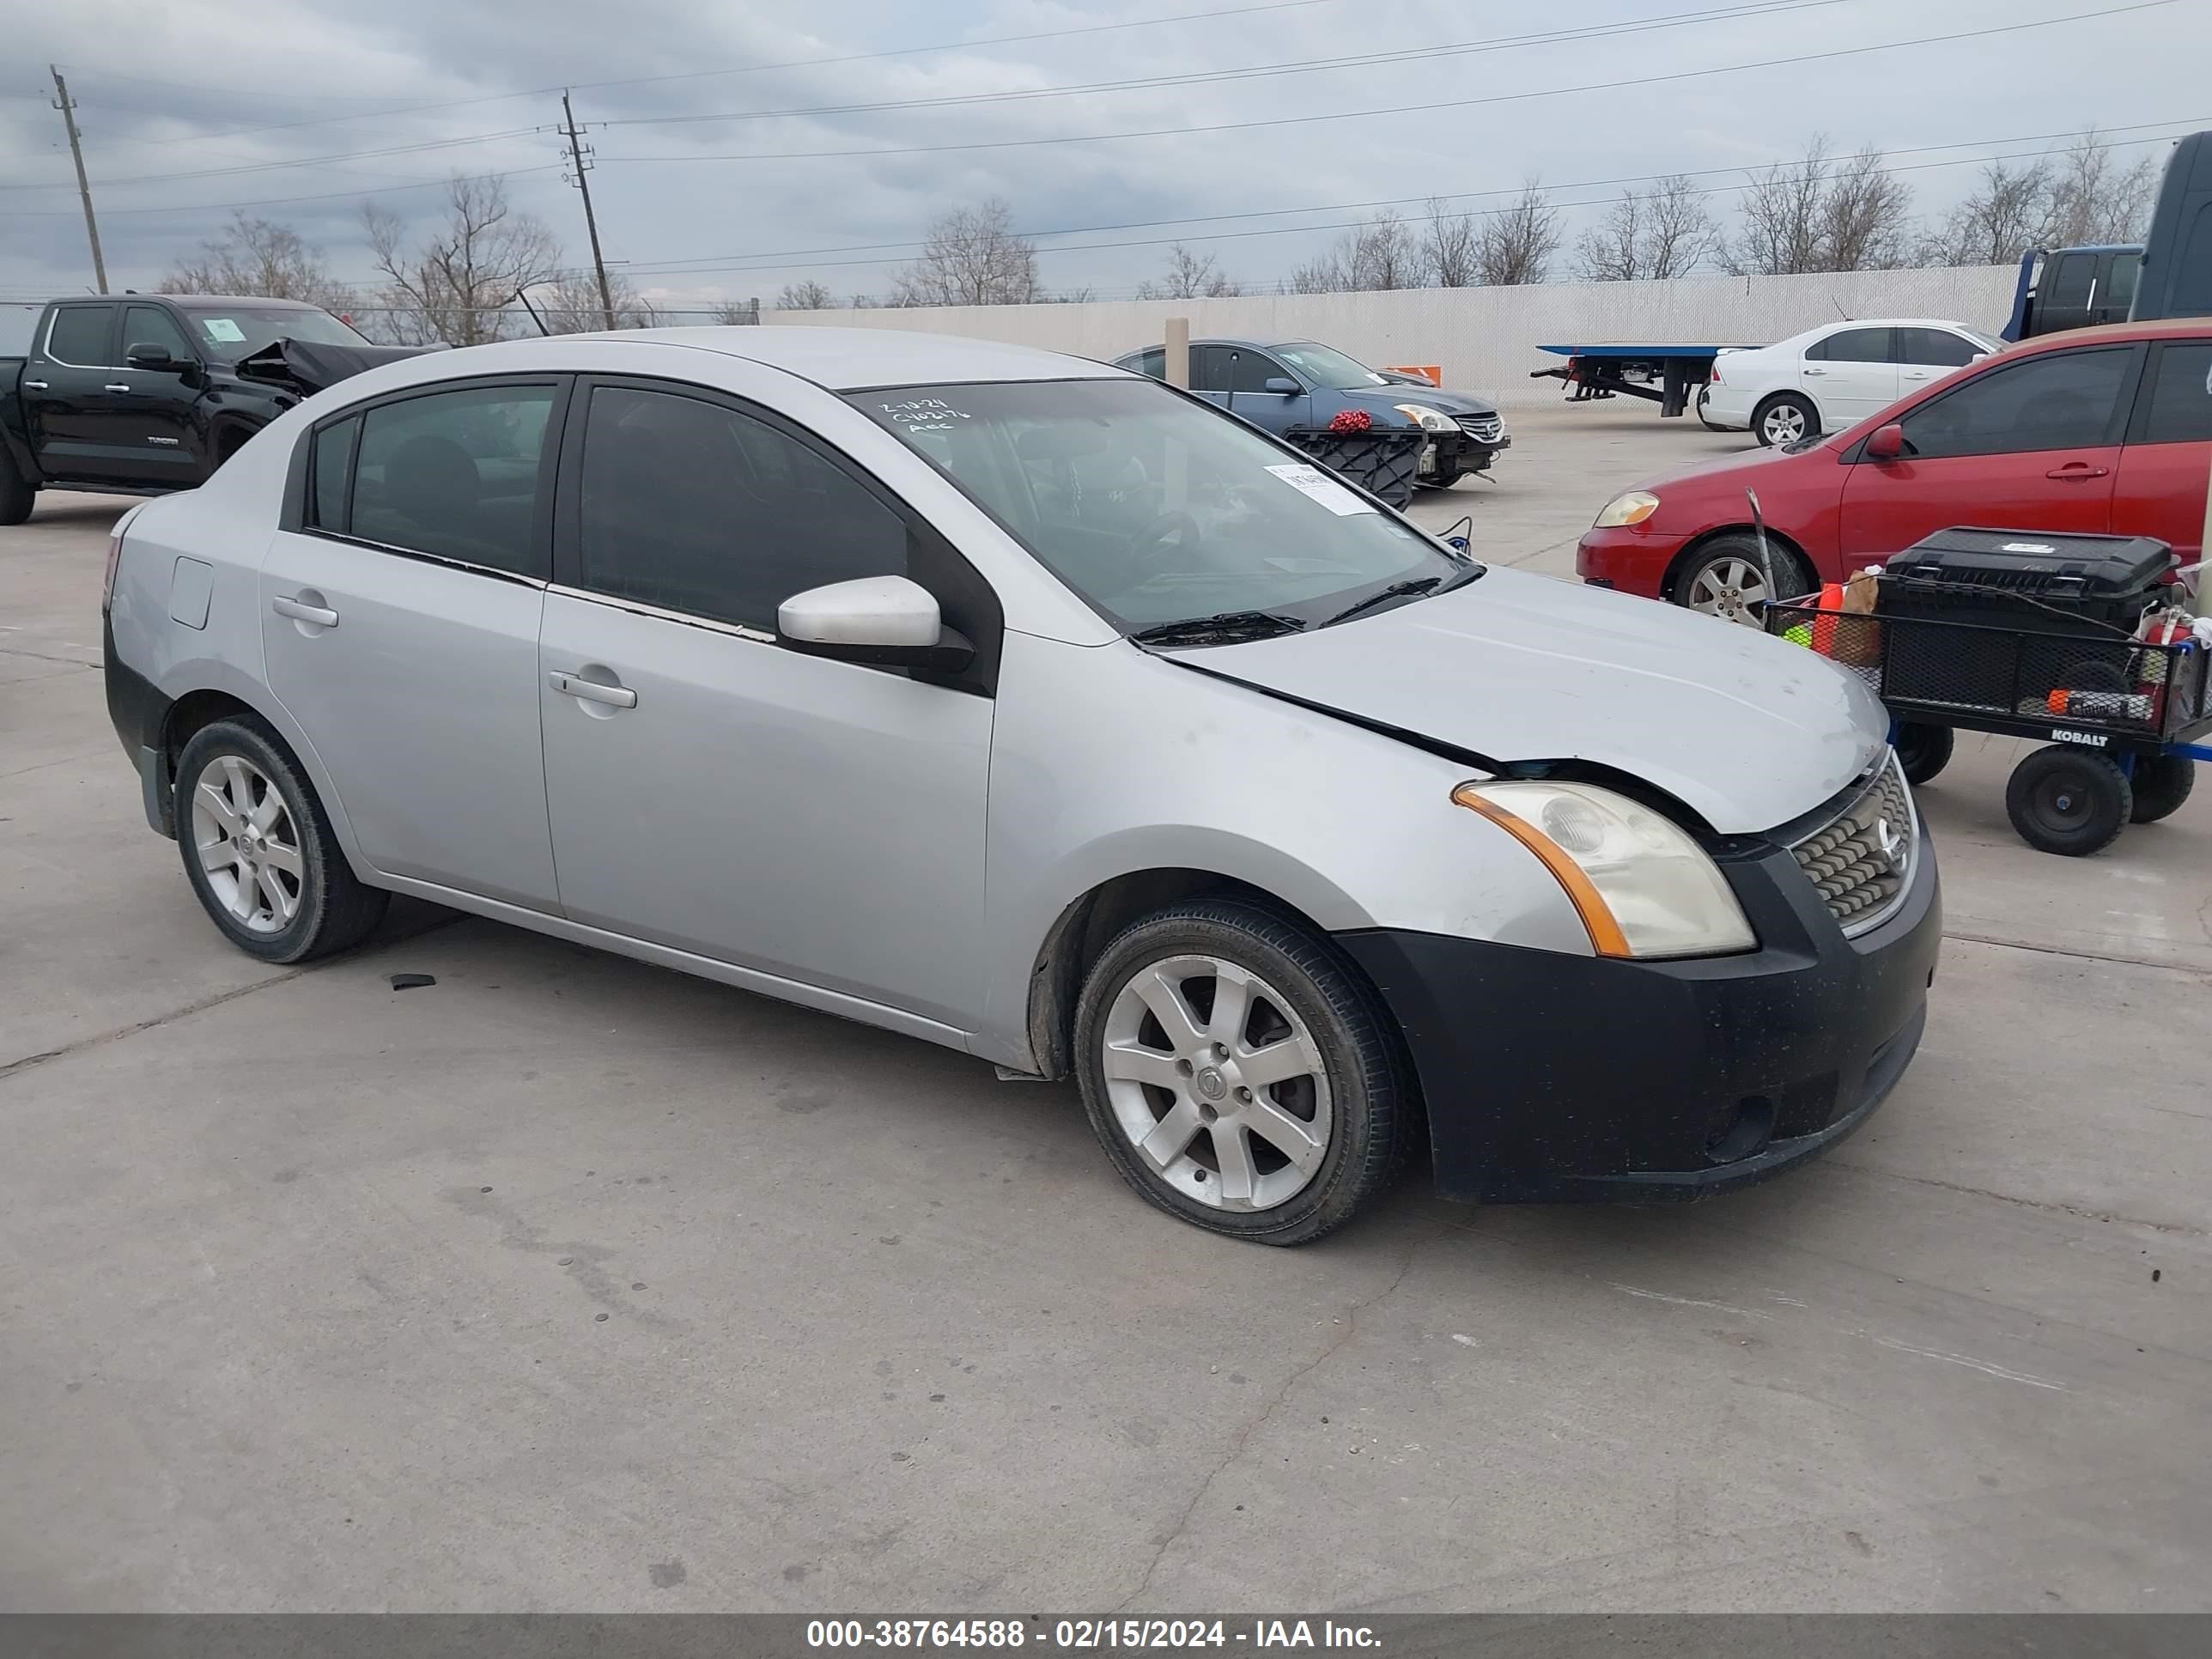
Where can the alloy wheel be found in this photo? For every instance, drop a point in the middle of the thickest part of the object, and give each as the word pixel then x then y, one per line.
pixel 1217 1083
pixel 247 844
pixel 1785 424
pixel 1730 588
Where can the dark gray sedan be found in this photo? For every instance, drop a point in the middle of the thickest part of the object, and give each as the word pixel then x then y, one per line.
pixel 1298 383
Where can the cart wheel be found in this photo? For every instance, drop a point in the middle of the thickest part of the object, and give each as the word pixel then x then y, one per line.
pixel 1922 750
pixel 2069 800
pixel 2162 783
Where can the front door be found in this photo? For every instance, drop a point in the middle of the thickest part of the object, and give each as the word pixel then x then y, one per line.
pixel 2160 488
pixel 819 822
pixel 1277 411
pixel 151 422
pixel 2031 443
pixel 1849 375
pixel 400 624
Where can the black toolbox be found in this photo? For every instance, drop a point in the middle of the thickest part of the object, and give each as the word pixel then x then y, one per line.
pixel 2075 586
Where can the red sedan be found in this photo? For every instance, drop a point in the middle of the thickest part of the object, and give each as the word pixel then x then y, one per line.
pixel 2100 429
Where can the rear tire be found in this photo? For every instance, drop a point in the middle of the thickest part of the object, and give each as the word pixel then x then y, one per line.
pixel 2162 783
pixel 1784 418
pixel 1923 750
pixel 2067 800
pixel 17 493
pixel 259 850
pixel 1275 1116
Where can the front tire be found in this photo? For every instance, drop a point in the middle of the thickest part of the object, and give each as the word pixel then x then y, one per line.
pixel 1724 579
pixel 259 850
pixel 1785 418
pixel 17 493
pixel 1238 1073
pixel 2067 800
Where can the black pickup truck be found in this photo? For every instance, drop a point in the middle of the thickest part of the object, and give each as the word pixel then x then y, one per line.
pixel 140 394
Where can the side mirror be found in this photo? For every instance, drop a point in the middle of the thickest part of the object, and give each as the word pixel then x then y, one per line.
pixel 887 620
pixel 1281 385
pixel 147 355
pixel 1886 443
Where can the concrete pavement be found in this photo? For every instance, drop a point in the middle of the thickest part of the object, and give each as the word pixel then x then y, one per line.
pixel 569 1283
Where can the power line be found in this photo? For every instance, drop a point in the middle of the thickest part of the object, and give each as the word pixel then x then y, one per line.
pixel 1302 66
pixel 1410 109
pixel 741 69
pixel 285 201
pixel 702 265
pixel 310 160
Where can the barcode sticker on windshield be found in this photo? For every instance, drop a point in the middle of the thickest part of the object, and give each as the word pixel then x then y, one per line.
pixel 223 329
pixel 1312 481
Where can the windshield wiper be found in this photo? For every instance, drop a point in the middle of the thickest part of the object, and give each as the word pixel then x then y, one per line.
pixel 1221 628
pixel 1395 591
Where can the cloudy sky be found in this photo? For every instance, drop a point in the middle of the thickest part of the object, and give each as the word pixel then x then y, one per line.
pixel 741 147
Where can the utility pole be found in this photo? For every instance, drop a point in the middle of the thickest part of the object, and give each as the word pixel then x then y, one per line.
pixel 63 102
pixel 580 158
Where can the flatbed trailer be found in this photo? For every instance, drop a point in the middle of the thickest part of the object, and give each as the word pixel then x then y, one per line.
pixel 1600 371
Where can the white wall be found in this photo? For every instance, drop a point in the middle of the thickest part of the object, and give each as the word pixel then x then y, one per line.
pixel 1486 338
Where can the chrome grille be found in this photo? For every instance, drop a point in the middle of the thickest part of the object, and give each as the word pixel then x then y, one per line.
pixel 1860 860
pixel 1483 428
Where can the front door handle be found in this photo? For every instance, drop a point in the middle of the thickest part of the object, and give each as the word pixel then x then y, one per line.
pixel 2074 472
pixel 321 616
pixel 115 388
pixel 34 385
pixel 615 696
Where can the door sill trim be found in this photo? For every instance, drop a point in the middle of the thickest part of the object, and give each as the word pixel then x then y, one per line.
pixel 684 962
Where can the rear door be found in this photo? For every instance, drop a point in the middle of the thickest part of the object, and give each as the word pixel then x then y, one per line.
pixel 65 396
pixel 1209 373
pixel 2030 444
pixel 399 624
pixel 1849 375
pixel 2168 458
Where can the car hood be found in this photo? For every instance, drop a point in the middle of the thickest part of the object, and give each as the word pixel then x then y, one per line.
pixel 1383 398
pixel 1749 731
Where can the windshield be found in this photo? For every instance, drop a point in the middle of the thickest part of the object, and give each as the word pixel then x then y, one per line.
pixel 1327 366
pixel 230 335
pixel 1987 341
pixel 1156 508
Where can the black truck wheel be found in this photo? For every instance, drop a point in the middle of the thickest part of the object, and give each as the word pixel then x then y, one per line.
pixel 17 493
pixel 2162 783
pixel 2069 800
pixel 1922 749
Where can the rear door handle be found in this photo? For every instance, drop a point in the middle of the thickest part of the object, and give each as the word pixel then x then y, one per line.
pixel 2075 473
pixel 321 616
pixel 1816 371
pixel 615 696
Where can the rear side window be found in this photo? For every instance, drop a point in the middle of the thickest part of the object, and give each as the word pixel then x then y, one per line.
pixel 2180 394
pixel 1209 368
pixel 2058 400
pixel 693 507
pixel 333 472
pixel 1935 348
pixel 456 474
pixel 79 336
pixel 1853 345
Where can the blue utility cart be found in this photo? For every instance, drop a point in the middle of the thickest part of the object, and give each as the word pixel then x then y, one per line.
pixel 1600 371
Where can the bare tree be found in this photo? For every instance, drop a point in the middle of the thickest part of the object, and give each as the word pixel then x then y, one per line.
pixel 2092 201
pixel 971 257
pixel 1664 231
pixel 809 296
pixel 2007 213
pixel 570 304
pixel 1865 217
pixel 738 313
pixel 1324 273
pixel 1779 231
pixel 256 257
pixel 1517 243
pixel 1381 253
pixel 454 284
pixel 1448 246
pixel 1190 277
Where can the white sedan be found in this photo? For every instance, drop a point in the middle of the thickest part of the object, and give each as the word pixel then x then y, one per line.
pixel 1830 377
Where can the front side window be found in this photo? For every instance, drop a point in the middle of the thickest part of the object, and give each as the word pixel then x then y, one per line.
pixel 2069 282
pixel 2057 400
pixel 1937 347
pixel 2120 292
pixel 1154 363
pixel 2181 395
pixel 79 336
pixel 1853 345
pixel 692 507
pixel 1252 370
pixel 151 325
pixel 456 474
pixel 1155 509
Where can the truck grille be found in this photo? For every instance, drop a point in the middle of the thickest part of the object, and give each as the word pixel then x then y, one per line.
pixel 1483 428
pixel 1861 860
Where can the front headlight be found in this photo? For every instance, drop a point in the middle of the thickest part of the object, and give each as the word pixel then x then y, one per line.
pixel 1429 419
pixel 1641 885
pixel 1634 508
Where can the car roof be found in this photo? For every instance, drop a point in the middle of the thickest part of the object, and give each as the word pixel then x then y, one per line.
pixel 843 358
pixel 226 302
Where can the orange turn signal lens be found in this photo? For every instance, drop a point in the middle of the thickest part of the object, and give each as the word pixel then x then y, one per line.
pixel 1605 934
